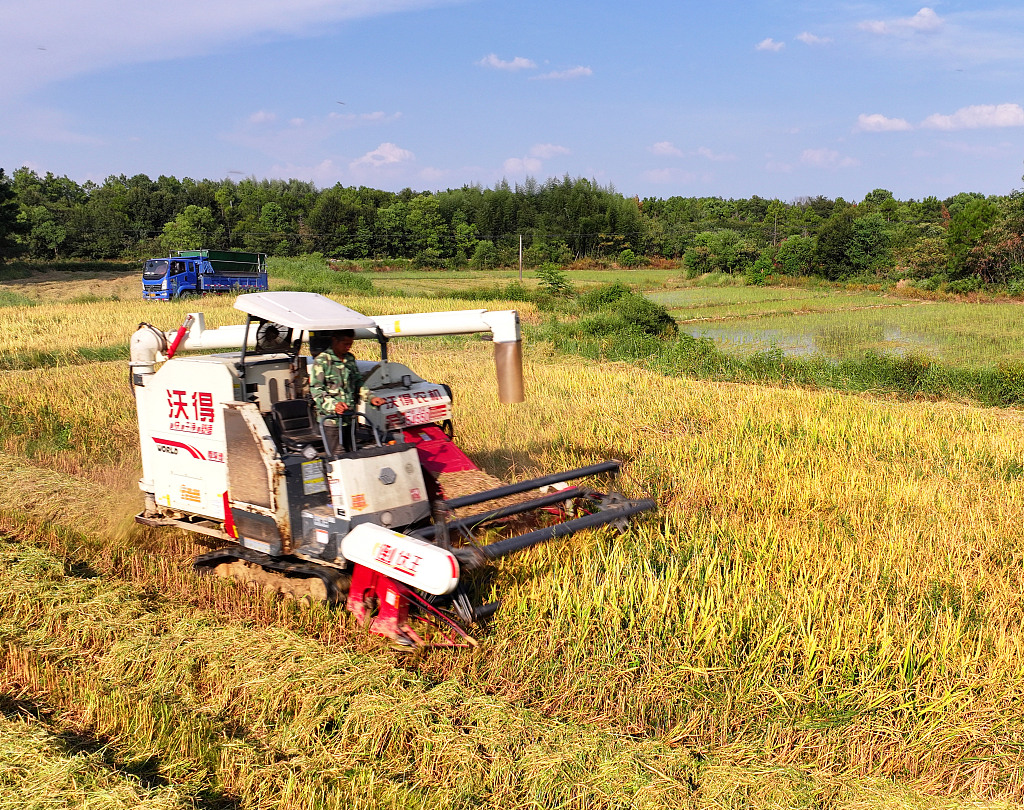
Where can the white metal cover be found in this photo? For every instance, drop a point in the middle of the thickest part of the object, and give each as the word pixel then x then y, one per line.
pixel 181 425
pixel 369 484
pixel 407 559
pixel 303 310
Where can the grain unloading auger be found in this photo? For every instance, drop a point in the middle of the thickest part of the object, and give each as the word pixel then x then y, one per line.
pixel 391 523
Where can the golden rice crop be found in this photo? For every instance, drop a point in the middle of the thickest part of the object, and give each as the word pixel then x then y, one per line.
pixel 828 598
pixel 57 327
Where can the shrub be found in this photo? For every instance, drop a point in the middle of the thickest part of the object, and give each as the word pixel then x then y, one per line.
pixel 964 285
pixel 554 281
pixel 603 296
pixel 645 315
pixel 627 258
pixel 311 273
pixel 757 274
pixel 428 257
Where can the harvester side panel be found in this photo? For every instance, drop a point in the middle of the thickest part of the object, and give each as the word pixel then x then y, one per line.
pixel 181 431
pixel 249 477
pixel 257 485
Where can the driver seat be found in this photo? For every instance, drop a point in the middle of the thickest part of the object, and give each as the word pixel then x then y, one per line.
pixel 295 423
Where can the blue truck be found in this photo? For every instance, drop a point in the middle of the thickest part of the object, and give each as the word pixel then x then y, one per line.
pixel 195 272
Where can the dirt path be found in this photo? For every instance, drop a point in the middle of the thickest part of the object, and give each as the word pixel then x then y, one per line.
pixel 55 285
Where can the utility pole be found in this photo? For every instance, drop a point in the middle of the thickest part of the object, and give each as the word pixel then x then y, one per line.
pixel 520 257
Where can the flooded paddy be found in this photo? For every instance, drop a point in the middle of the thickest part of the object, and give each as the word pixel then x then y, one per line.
pixel 837 325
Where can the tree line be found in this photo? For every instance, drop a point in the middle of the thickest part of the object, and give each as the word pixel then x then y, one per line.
pixel 962 241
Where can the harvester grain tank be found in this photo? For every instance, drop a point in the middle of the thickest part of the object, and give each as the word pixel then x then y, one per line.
pixel 232 449
pixel 195 272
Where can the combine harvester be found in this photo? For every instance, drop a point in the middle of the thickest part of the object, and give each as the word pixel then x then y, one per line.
pixel 233 449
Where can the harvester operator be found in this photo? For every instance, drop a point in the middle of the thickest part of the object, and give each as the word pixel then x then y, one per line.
pixel 335 381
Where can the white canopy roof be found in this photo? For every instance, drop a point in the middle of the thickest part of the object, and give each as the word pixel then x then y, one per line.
pixel 310 312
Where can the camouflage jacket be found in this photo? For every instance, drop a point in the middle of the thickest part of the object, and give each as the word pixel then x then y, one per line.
pixel 333 380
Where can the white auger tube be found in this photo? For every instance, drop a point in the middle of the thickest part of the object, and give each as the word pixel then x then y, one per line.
pixel 149 345
pixel 502 324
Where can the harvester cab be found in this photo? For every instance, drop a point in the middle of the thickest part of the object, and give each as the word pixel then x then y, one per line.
pixel 233 449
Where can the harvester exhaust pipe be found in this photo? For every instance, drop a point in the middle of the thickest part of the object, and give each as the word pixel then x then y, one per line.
pixel 508 362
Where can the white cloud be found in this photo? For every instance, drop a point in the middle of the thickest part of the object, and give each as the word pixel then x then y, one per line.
pixel 294 140
pixel 925 21
pixel 387 154
pixel 666 176
pixel 357 119
pixel 704 152
pixel 770 44
pixel 807 38
pixel 524 165
pixel 262 117
pixel 877 122
pixel 517 63
pixel 826 159
pixel 533 162
pixel 979 116
pixel 323 174
pixel 992 151
pixel 548 150
pixel 432 175
pixel 49 40
pixel 577 72
pixel 665 148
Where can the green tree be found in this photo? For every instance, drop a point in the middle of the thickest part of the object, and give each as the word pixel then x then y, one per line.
pixel 795 256
pixel 45 234
pixel 868 250
pixel 485 256
pixel 193 229
pixel 881 201
pixel 835 237
pixel 10 226
pixel 966 229
pixel 426 229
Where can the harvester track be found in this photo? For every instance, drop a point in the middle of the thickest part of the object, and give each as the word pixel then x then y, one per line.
pixel 279 573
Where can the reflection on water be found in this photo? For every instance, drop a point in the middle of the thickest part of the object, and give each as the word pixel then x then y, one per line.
pixel 741 340
pixel 836 342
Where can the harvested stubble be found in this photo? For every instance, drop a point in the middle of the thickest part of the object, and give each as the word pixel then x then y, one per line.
pixel 833 584
pixel 41 771
pixel 282 721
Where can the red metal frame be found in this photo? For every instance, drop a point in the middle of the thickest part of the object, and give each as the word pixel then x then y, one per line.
pixel 385 604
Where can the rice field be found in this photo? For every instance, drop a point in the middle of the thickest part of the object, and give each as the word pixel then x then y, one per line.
pixel 842 325
pixel 825 612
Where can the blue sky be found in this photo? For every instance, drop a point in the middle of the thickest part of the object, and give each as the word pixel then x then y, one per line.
pixel 731 99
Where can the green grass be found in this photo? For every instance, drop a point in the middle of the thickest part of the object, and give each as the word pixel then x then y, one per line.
pixel 8 298
pixel 312 274
pixel 399 279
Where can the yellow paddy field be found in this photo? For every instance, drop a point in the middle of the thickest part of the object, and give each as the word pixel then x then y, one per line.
pixel 825 612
